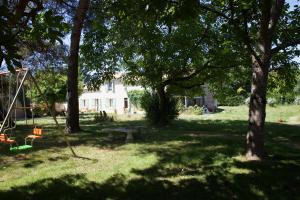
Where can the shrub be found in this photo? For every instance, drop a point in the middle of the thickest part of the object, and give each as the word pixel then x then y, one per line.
pixel 231 100
pixel 135 97
pixel 194 110
pixel 197 110
pixel 150 103
pixel 180 107
pixel 40 111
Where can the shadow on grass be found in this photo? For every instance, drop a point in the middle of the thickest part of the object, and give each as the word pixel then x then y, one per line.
pixel 269 180
pixel 180 130
pixel 202 169
pixel 189 165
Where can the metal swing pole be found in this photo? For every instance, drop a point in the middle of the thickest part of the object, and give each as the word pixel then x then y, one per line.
pixel 9 101
pixel 24 105
pixel 2 98
pixel 14 100
pixel 53 116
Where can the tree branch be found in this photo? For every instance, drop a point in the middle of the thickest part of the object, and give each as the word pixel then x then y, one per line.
pixel 266 6
pixel 19 10
pixel 193 49
pixel 185 78
pixel 67 4
pixel 284 45
pixel 275 14
pixel 189 86
pixel 247 39
pixel 217 12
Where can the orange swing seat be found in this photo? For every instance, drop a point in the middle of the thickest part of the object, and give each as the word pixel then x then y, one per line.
pixel 37 134
pixel 5 139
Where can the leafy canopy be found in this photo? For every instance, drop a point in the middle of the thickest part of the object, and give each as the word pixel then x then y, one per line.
pixel 157 44
pixel 27 24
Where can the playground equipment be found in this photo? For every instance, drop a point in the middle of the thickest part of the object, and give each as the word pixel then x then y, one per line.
pixel 37 134
pixel 11 95
pixel 9 104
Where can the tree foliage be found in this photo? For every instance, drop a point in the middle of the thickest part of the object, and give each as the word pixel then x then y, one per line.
pixel 52 83
pixel 135 97
pixel 27 23
pixel 153 42
pixel 150 103
pixel 282 84
pixel 268 30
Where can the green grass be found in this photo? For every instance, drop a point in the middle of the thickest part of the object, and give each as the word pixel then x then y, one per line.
pixel 198 157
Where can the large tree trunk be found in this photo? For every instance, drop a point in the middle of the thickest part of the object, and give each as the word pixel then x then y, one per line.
pixel 257 111
pixel 261 58
pixel 72 121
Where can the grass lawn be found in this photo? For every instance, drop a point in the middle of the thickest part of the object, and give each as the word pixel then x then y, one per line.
pixel 198 157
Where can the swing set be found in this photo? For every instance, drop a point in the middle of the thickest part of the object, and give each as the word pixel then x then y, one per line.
pixel 12 101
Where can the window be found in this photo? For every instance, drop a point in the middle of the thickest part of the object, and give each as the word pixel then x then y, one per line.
pixel 125 102
pixel 110 103
pixel 110 86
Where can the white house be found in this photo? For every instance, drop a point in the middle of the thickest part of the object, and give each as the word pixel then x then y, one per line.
pixel 206 100
pixel 112 97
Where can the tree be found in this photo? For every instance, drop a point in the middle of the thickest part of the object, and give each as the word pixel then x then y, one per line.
pixel 52 83
pixel 297 87
pixel 282 84
pixel 72 121
pixel 155 46
pixel 268 29
pixel 23 24
pixel 135 97
pixel 234 87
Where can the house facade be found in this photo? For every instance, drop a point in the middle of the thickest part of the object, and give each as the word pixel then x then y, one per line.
pixel 112 97
pixel 206 100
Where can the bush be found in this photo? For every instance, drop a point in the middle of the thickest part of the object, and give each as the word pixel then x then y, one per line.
pixel 40 111
pixel 150 103
pixel 231 100
pixel 135 97
pixel 194 110
pixel 180 106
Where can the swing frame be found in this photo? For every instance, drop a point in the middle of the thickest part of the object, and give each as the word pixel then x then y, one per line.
pixel 27 74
